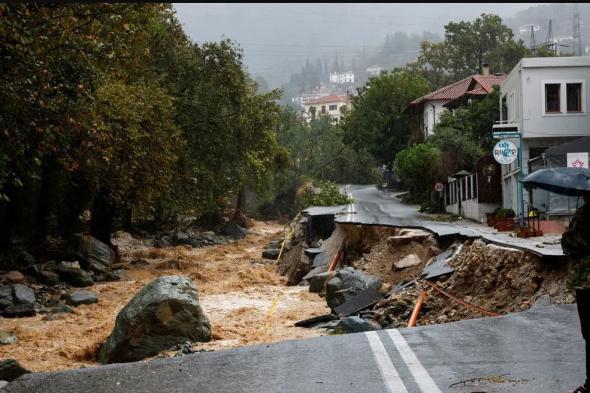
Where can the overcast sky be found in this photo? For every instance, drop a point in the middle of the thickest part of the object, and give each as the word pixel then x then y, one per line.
pixel 276 37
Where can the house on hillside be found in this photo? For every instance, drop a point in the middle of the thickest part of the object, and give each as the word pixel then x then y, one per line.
pixel 427 109
pixel 333 106
pixel 546 100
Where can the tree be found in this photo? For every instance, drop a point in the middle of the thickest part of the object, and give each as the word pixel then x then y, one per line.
pixel 467 46
pixel 418 168
pixel 378 122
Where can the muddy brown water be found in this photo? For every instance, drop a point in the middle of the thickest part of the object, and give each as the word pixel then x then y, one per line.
pixel 246 301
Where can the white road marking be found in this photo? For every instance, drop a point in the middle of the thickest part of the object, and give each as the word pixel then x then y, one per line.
pixel 388 371
pixel 421 376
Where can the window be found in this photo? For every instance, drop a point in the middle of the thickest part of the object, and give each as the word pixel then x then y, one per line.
pixel 323 109
pixel 574 97
pixel 552 93
pixel 333 107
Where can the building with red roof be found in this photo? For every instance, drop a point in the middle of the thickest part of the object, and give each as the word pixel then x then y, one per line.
pixel 429 107
pixel 333 106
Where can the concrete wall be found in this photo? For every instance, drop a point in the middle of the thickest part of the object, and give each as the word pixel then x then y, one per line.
pixel 472 209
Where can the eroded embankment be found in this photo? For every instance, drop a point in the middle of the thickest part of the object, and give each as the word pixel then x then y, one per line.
pixel 496 279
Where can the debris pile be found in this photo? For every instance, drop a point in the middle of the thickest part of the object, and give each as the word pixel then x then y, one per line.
pixel 472 279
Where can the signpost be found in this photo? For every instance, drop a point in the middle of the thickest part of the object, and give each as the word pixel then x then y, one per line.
pixel 439 187
pixel 506 152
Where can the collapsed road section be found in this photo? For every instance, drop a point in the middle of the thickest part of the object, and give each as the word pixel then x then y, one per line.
pixel 382 276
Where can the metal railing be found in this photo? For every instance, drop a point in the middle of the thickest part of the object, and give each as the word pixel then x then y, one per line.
pixel 533 217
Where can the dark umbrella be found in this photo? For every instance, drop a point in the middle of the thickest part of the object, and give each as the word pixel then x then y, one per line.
pixel 565 181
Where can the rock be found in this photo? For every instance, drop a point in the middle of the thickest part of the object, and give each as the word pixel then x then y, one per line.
pixel 23 294
pixel 408 261
pixel 115 275
pixel 10 370
pixel 6 297
pixel 15 277
pixel 82 297
pixel 274 244
pixel 356 325
pixel 164 313
pixel 406 236
pixel 233 230
pixel 7 338
pixel 317 281
pixel 346 283
pixel 49 278
pixel 91 253
pixel 164 241
pixel 19 311
pixel 271 253
pixel 71 273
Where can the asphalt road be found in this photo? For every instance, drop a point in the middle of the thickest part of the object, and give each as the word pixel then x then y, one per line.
pixel 375 207
pixel 537 351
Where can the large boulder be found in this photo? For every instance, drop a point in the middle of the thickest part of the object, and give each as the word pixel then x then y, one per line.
pixel 71 273
pixel 346 283
pixel 233 230
pixel 17 301
pixel 91 253
pixel 10 370
pixel 164 313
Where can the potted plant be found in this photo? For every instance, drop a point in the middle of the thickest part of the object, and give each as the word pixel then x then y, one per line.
pixel 491 217
pixel 504 220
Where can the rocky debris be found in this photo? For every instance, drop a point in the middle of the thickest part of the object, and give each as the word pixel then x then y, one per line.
pixel 233 230
pixel 91 253
pixel 164 313
pixel 7 338
pixel 115 275
pixel 271 253
pixel 15 277
pixel 17 301
pixel 408 261
pixel 71 273
pixel 82 297
pixel 10 370
pixel 179 238
pixel 355 325
pixel 346 283
pixel 48 277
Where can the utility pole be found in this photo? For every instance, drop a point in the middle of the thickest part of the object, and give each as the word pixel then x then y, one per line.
pixel 577 36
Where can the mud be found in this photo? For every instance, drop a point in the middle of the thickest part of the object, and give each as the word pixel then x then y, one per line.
pixel 246 301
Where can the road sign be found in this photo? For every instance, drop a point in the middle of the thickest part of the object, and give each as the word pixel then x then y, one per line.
pixel 439 187
pixel 505 152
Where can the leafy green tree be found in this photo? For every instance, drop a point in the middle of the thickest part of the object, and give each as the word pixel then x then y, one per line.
pixel 378 122
pixel 418 168
pixel 466 47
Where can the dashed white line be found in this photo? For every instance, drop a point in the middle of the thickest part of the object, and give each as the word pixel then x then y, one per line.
pixel 421 376
pixel 388 371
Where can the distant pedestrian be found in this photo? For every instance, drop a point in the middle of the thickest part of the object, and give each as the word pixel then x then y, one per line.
pixel 576 245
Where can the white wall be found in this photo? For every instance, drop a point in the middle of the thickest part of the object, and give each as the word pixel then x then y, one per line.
pixel 431 114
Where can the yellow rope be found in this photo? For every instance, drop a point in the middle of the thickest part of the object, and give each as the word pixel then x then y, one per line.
pixel 271 311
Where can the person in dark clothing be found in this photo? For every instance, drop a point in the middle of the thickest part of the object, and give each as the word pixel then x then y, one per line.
pixel 576 245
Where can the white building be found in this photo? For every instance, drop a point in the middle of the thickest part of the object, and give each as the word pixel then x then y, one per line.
pixel 339 78
pixel 546 100
pixel 333 106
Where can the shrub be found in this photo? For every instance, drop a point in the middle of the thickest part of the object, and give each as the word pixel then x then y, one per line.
pixel 327 194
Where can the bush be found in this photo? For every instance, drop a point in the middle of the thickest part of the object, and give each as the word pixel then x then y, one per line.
pixel 327 194
pixel 505 213
pixel 418 168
